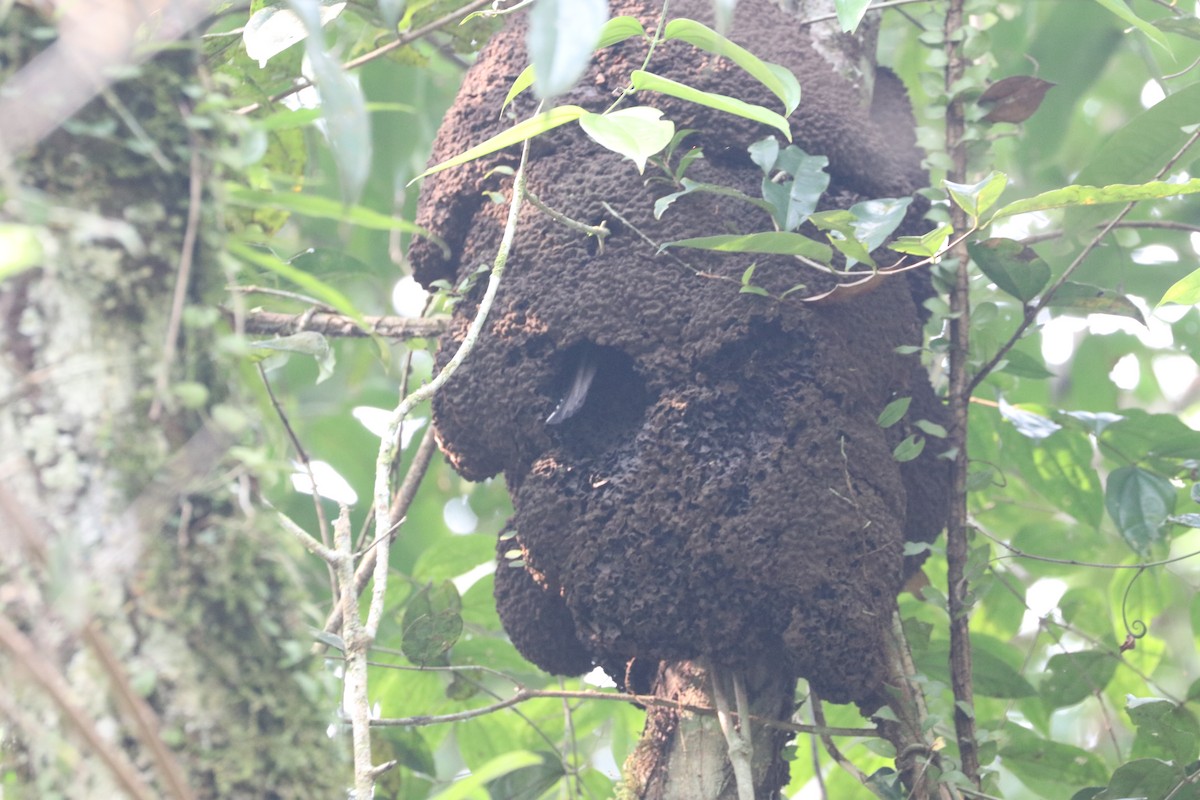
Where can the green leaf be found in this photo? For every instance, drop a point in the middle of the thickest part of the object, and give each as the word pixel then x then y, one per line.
pixel 636 133
pixel 20 249
pixel 991 675
pixel 1072 677
pixel 1059 468
pixel 926 246
pixel 850 13
pixel 1095 195
pixel 1146 779
pixel 1139 436
pixel 1048 767
pixel 473 785
pixel 560 40
pixel 773 242
pixel 976 198
pixel 1185 291
pixel 1164 729
pixel 793 201
pixel 1122 10
pixel 309 343
pixel 648 81
pixel 893 412
pixel 1140 503
pixel 1087 299
pixel 1014 268
pixel 526 129
pixel 523 82
pixel 618 29
pixel 432 623
pixel 910 448
pixel 1020 363
pixel 273 29
pixel 311 285
pixel 778 79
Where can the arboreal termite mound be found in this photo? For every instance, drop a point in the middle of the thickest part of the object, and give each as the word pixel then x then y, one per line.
pixel 722 488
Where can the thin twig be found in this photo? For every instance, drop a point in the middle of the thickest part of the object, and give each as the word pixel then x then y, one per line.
pixel 183 277
pixel 522 695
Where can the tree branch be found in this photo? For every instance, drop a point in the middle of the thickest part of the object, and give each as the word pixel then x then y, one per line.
pixel 274 323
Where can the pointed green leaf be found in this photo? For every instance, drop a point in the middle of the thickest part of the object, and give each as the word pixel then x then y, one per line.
pixel 1122 10
pixel 977 198
pixel 526 129
pixel 1140 502
pixel 618 29
pixel 792 201
pixel 776 242
pixel 309 284
pixel 648 81
pixel 926 246
pixel 1087 299
pixel 1094 195
pixel 1014 268
pixel 523 82
pixel 1185 291
pixel 893 412
pixel 1072 677
pixel 910 448
pixel 778 79
pixel 636 133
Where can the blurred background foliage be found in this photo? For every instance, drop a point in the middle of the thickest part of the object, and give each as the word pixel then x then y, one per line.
pixel 1073 439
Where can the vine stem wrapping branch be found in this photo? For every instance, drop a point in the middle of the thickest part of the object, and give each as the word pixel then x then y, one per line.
pixel 960 396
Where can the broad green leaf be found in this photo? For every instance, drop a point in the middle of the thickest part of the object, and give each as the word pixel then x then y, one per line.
pixel 309 343
pixel 977 198
pixel 561 37
pixel 1014 268
pixel 432 623
pixel 1164 729
pixel 309 284
pixel 1059 468
pixel 1140 503
pixel 1020 363
pixel 1095 195
pixel 794 200
pixel 850 13
pixel 1122 10
pixel 20 249
pixel 774 242
pixel 876 220
pixel 1073 677
pixel 910 448
pixel 636 133
pixel 1048 767
pixel 926 246
pixel 618 29
pixel 991 675
pixel 347 123
pixel 526 129
pixel 778 79
pixel 893 412
pixel 1139 436
pixel 1185 291
pixel 474 784
pixel 648 81
pixel 1147 779
pixel 1087 299
pixel 764 152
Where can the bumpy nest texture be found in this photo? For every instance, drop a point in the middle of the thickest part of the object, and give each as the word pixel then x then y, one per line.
pixel 725 490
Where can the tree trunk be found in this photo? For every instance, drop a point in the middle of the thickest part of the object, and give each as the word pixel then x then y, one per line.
pixel 149 636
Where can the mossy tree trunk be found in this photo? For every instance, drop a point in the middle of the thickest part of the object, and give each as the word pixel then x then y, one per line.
pixel 150 640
